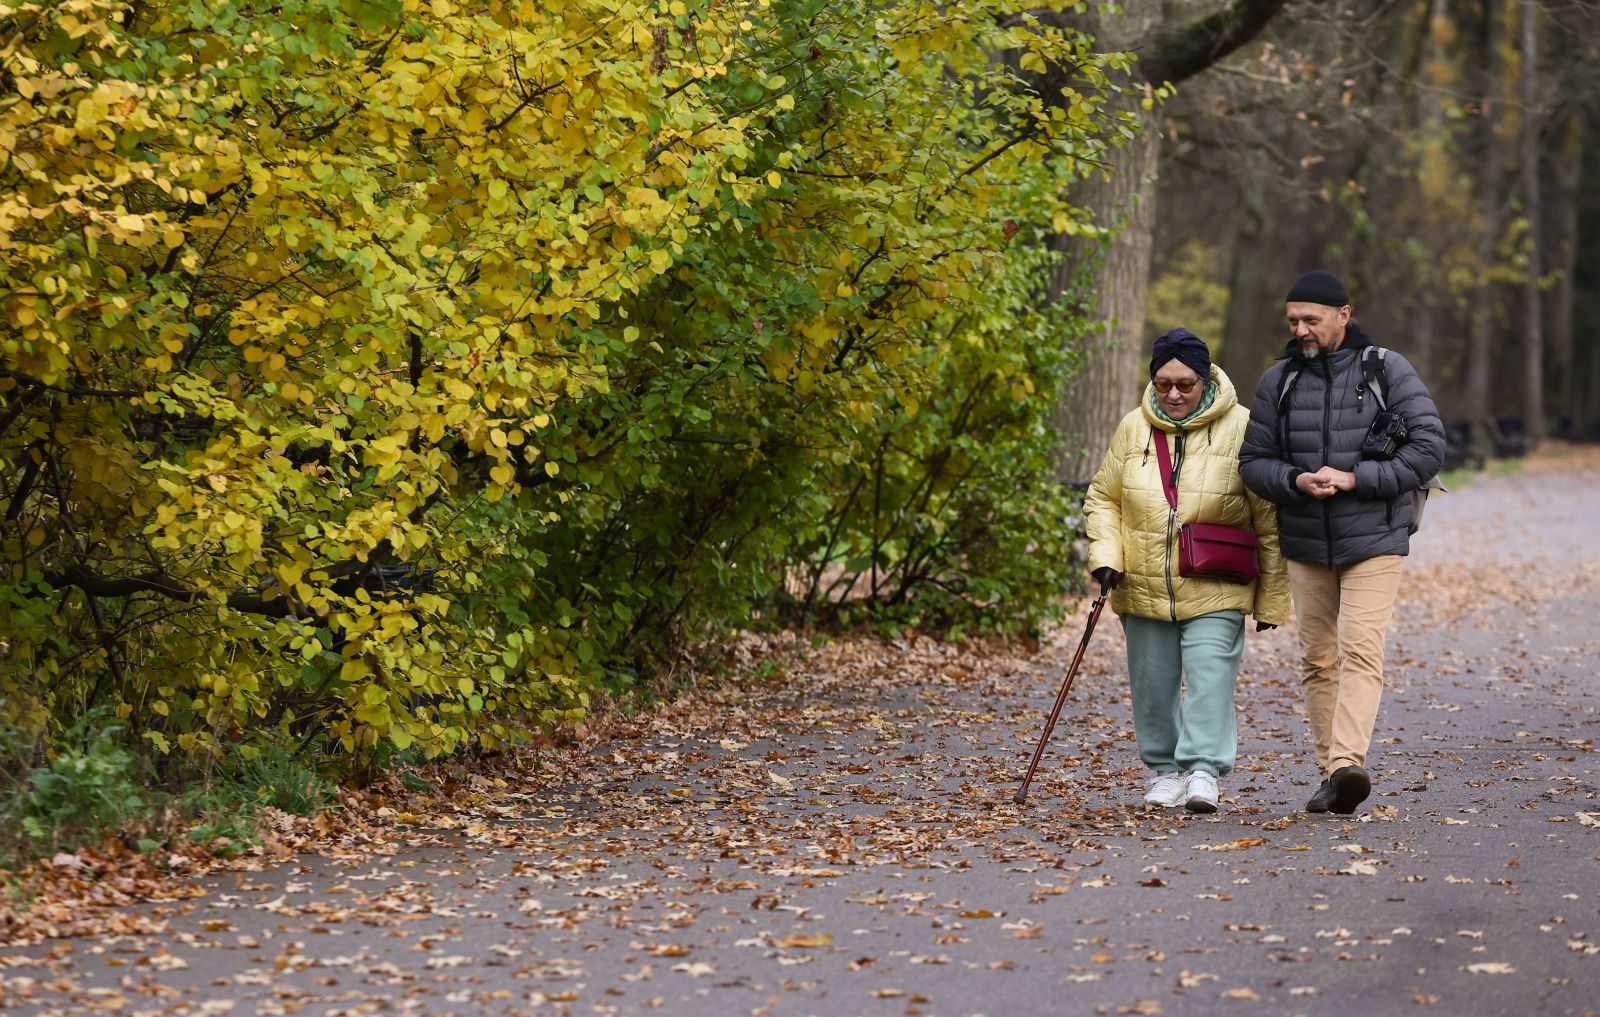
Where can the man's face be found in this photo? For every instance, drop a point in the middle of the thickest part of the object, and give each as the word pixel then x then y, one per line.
pixel 1319 328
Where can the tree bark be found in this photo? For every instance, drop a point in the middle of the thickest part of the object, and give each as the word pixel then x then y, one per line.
pixel 1564 260
pixel 1255 308
pixel 1532 298
pixel 1108 381
pixel 1482 328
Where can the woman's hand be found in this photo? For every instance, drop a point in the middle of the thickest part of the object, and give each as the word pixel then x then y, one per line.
pixel 1108 578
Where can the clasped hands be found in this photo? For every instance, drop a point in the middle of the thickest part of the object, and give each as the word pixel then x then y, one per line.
pixel 1326 482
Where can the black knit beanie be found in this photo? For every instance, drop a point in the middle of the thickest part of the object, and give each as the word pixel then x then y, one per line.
pixel 1183 346
pixel 1318 287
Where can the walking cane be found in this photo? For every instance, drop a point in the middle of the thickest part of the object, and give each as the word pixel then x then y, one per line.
pixel 1066 685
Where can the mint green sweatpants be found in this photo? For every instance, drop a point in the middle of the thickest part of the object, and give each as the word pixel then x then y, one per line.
pixel 1185 729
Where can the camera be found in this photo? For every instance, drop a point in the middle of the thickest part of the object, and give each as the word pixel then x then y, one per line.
pixel 1387 433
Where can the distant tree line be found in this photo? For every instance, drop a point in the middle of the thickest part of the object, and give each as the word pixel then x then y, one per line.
pixel 1440 155
pixel 1443 156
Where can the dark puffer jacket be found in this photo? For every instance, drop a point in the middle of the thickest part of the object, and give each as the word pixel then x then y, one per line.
pixel 1329 410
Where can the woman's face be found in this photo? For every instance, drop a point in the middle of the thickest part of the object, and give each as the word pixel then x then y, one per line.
pixel 1176 376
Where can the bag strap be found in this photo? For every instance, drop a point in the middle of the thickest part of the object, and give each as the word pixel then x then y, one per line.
pixel 1164 457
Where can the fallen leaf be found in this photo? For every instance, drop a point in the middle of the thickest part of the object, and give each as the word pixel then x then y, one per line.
pixel 164 961
pixel 1243 992
pixel 1490 968
pixel 453 961
pixel 1233 845
pixel 803 942
pixel 668 950
pixel 695 969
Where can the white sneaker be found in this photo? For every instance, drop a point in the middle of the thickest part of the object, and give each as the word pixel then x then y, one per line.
pixel 1164 790
pixel 1200 792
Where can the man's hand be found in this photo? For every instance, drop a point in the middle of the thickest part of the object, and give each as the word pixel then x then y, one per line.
pixel 1339 480
pixel 1315 485
pixel 1108 578
pixel 1326 482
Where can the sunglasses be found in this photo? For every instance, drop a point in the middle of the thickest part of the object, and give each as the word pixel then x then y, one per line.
pixel 1164 386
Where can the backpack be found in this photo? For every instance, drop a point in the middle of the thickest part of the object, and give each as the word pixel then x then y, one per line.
pixel 1376 375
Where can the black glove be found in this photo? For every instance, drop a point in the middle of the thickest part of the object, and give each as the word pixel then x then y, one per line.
pixel 1108 578
pixel 1262 626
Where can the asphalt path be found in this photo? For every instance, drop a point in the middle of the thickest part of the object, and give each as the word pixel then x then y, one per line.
pixel 843 841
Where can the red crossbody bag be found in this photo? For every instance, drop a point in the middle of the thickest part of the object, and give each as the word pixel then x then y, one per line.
pixel 1208 550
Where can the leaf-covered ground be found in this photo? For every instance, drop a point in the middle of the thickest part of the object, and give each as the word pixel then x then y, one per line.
pixel 842 840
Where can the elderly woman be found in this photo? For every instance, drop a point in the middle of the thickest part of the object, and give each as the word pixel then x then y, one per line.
pixel 1181 628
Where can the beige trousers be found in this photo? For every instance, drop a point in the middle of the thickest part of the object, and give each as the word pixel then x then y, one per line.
pixel 1343 615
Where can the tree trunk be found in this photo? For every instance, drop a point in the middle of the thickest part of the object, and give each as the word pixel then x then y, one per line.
pixel 1256 282
pixel 1532 299
pixel 1563 209
pixel 1482 330
pixel 1108 383
pixel 1426 306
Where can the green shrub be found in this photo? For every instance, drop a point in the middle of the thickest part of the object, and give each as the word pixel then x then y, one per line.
pixel 648 326
pixel 88 787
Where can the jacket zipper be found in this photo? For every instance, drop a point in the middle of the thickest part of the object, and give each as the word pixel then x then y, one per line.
pixel 1172 520
pixel 1172 594
pixel 1327 440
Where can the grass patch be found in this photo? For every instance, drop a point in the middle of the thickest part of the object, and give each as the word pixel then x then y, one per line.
pixel 85 785
pixel 1456 479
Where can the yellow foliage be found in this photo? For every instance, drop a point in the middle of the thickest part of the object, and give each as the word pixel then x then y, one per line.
pixel 292 301
pixel 291 262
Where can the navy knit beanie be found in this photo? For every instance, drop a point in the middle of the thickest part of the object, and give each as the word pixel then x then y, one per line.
pixel 1318 287
pixel 1186 348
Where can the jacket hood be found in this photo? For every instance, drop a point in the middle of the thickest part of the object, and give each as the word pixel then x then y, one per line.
pixel 1227 398
pixel 1354 339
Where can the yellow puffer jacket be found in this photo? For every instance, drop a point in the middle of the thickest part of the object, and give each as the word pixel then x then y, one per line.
pixel 1130 529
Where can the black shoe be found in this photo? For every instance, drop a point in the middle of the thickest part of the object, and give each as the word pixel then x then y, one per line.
pixel 1351 785
pixel 1321 797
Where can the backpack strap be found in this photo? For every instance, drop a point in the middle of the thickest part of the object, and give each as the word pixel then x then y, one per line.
pixel 1290 375
pixel 1285 383
pixel 1376 373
